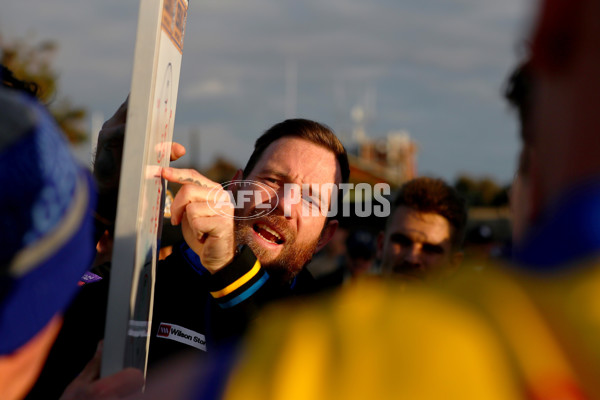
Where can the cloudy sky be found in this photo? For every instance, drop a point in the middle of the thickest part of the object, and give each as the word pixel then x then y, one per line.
pixel 434 68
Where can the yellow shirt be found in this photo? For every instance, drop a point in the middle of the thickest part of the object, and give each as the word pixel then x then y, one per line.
pixel 501 335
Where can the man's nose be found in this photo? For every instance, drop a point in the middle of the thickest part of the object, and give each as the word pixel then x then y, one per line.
pixel 290 201
pixel 413 255
pixel 260 199
pixel 274 202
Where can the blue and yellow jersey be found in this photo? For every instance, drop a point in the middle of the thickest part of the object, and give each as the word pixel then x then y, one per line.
pixel 501 336
pixel 528 330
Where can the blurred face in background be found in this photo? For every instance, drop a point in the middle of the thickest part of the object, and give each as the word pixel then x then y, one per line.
pixel 417 246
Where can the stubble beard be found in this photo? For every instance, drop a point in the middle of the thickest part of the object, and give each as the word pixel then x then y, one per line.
pixel 408 271
pixel 292 257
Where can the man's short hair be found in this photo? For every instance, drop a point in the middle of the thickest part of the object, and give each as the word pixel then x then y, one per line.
pixel 431 195
pixel 311 131
pixel 518 93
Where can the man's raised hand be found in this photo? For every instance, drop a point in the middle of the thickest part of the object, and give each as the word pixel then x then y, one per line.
pixel 206 215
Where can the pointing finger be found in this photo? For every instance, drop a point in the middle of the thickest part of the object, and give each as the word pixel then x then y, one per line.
pixel 183 176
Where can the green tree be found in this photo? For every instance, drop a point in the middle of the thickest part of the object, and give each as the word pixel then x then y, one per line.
pixel 481 192
pixel 467 187
pixel 33 63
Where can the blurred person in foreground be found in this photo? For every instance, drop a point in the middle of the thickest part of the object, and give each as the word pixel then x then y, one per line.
pixel 77 342
pixel 518 93
pixel 47 236
pixel 527 331
pixel 423 235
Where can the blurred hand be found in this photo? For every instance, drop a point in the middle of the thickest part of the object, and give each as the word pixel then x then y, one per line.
pixel 107 164
pixel 209 233
pixel 88 386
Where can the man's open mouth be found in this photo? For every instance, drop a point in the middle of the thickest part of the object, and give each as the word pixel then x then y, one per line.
pixel 409 272
pixel 268 233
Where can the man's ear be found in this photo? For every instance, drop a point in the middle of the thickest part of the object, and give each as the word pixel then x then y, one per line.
pixel 239 175
pixel 453 265
pixel 380 243
pixel 327 234
pixel 555 33
pixel 456 261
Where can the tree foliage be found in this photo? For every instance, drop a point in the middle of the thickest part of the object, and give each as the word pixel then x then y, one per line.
pixel 32 62
pixel 482 192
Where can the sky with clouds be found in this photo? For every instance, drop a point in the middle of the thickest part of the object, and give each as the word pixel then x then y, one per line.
pixel 432 67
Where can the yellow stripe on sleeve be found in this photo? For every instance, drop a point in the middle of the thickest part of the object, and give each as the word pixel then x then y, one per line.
pixel 235 285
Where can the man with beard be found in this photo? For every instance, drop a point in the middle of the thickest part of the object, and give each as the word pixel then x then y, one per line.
pixel 527 333
pixel 236 256
pixel 423 236
pixel 209 288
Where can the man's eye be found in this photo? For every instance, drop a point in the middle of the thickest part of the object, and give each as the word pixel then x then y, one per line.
pixel 400 239
pixel 271 181
pixel 433 249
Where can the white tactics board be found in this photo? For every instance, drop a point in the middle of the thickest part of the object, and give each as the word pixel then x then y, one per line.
pixel 147 148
